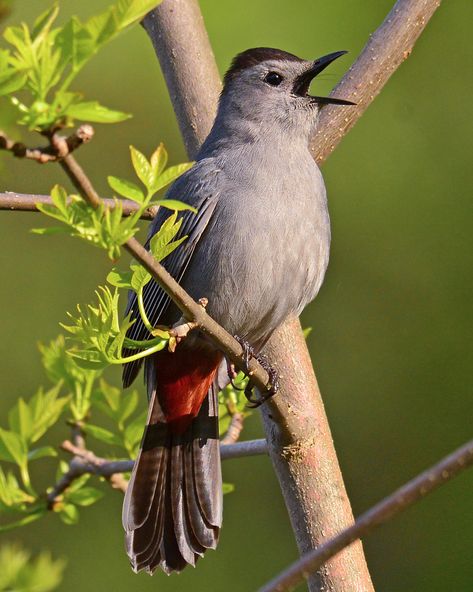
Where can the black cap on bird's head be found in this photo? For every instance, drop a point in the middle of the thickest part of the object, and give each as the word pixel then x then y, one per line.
pixel 280 69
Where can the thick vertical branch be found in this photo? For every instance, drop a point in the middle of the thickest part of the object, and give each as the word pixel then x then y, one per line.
pixel 296 425
pixel 302 451
pixel 179 37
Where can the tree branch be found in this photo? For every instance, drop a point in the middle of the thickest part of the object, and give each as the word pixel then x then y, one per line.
pixel 86 462
pixel 413 491
pixel 21 202
pixel 177 31
pixel 302 450
pixel 234 429
pixel 386 50
pixel 52 153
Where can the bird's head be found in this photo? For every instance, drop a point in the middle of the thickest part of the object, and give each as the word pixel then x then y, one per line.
pixel 271 86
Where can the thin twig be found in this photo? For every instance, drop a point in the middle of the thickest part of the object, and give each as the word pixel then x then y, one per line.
pixel 86 462
pixel 234 429
pixel 52 153
pixel 21 202
pixel 413 491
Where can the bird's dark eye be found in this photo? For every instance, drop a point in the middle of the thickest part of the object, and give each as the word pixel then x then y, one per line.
pixel 273 78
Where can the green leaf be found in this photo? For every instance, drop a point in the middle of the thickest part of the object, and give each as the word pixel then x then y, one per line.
pixel 90 359
pixel 126 189
pixel 59 198
pixel 93 111
pixel 43 23
pixel 11 82
pixel 60 366
pixel 120 278
pixel 20 419
pixel 161 243
pixel 103 435
pixel 142 167
pixel 43 452
pixel 46 408
pixel 158 160
pixel 128 404
pixel 228 488
pixel 174 204
pixel 21 573
pixel 130 11
pixel 111 395
pixel 12 447
pixel 12 496
pixel 86 496
pixel 134 432
pixel 69 514
pixel 171 174
pixel 140 278
pixel 28 519
pixel 77 483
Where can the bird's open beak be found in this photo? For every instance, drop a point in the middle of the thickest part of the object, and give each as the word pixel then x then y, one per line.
pixel 301 87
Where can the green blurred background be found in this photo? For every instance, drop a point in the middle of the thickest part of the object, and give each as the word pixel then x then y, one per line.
pixel 392 326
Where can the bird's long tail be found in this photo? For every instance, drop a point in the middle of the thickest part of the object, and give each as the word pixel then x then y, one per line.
pixel 173 505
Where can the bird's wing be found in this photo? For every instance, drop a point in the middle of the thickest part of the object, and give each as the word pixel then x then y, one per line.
pixel 203 196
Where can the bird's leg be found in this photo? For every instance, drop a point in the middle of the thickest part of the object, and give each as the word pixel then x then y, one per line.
pixel 232 374
pixel 273 383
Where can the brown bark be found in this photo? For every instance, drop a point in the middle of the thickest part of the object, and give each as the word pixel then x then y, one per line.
pixel 179 37
pixel 24 202
pixel 301 448
pixel 386 50
pixel 410 493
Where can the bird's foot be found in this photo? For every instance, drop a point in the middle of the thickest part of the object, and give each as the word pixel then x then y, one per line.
pixel 273 383
pixel 232 374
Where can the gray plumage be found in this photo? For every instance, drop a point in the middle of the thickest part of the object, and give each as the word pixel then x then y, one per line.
pixel 257 250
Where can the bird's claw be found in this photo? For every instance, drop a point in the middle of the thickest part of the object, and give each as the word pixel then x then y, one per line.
pixel 273 383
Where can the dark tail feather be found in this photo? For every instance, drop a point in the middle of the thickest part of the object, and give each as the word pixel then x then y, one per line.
pixel 173 505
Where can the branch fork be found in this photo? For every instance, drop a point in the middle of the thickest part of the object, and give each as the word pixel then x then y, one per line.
pixel 59 148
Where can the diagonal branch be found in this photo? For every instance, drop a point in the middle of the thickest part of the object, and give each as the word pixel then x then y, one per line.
pixel 386 50
pixel 413 491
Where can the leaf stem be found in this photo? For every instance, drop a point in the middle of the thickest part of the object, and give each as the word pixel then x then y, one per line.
pixel 142 354
pixel 141 308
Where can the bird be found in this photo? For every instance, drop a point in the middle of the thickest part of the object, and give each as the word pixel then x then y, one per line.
pixel 257 249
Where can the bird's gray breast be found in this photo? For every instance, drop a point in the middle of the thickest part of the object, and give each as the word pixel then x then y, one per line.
pixel 264 253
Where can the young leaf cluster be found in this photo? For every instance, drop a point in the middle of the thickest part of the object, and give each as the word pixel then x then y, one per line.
pixel 79 392
pixel 27 423
pixel 98 337
pixel 43 61
pixel 119 408
pixel 105 227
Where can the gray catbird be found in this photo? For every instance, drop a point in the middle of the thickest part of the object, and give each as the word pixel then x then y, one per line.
pixel 257 249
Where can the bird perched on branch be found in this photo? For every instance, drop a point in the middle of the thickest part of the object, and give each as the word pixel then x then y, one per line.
pixel 257 249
